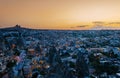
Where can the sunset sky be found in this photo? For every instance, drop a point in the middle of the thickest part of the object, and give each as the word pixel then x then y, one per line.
pixel 60 14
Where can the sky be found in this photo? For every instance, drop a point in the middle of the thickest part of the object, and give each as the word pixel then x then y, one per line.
pixel 60 14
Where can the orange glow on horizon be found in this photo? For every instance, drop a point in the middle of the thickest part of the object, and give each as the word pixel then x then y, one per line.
pixel 59 14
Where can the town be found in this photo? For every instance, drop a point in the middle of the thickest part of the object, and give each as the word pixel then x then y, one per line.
pixel 34 53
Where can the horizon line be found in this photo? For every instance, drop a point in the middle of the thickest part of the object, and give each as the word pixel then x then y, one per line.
pixel 60 29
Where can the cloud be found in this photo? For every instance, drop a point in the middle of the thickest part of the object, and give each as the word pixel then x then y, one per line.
pixel 81 26
pixel 114 23
pixel 101 22
pixel 98 22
